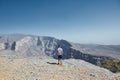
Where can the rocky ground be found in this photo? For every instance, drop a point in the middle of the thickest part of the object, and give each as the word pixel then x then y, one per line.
pixel 40 68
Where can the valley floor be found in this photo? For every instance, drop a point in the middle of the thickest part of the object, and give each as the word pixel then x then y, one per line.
pixel 36 68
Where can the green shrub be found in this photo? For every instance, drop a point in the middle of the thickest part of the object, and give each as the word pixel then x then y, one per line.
pixel 111 64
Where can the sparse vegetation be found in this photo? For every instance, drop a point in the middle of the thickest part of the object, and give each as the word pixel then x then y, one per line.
pixel 111 64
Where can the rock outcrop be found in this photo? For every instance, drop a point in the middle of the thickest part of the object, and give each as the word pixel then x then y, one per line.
pixel 41 68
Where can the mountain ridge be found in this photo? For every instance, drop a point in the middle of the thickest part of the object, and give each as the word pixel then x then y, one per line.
pixel 30 45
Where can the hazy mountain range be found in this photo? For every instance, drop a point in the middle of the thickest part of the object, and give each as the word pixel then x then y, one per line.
pixel 30 45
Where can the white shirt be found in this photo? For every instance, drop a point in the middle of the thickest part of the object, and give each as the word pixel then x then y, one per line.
pixel 59 51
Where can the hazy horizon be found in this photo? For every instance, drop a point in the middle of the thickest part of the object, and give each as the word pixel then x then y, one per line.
pixel 78 21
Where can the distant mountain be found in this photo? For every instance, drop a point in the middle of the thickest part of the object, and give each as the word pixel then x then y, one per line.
pixel 29 45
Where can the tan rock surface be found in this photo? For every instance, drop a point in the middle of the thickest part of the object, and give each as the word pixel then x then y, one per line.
pixel 35 68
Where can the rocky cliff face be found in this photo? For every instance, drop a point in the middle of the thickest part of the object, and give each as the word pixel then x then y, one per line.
pixel 2 46
pixel 28 45
pixel 32 46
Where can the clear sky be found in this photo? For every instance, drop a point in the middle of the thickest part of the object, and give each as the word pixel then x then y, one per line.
pixel 79 21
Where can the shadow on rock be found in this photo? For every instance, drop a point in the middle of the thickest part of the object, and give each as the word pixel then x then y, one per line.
pixel 52 63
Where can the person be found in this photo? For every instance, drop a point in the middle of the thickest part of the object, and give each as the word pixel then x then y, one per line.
pixel 59 53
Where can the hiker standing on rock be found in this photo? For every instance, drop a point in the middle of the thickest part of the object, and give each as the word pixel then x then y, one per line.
pixel 59 53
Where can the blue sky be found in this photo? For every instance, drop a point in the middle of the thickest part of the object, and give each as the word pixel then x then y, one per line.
pixel 79 21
